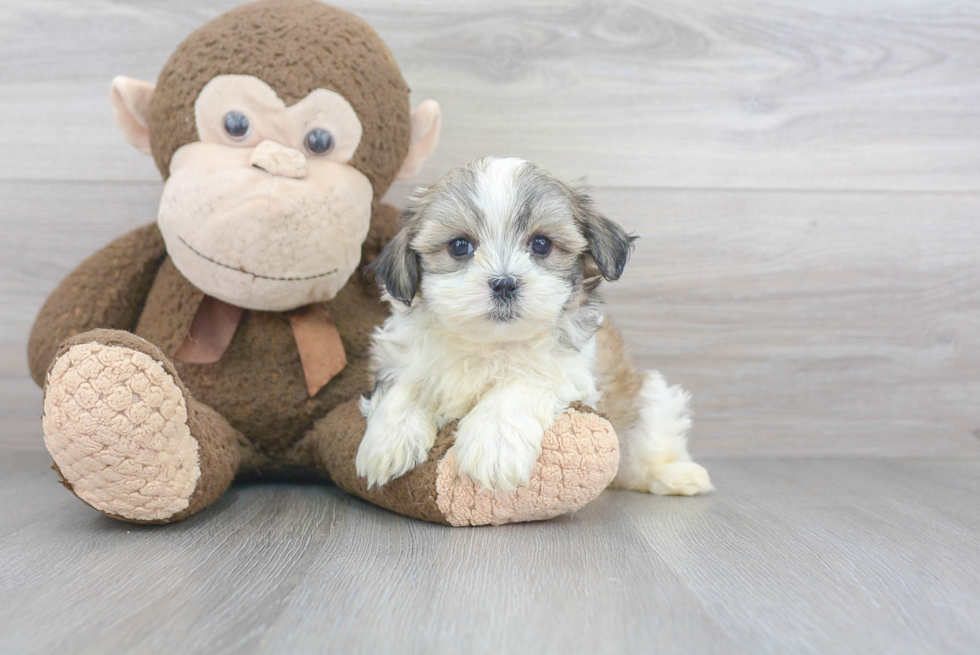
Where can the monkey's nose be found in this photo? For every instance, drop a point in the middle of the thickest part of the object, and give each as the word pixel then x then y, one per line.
pixel 504 288
pixel 275 158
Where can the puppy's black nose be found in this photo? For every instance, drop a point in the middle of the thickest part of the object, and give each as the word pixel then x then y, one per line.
pixel 504 288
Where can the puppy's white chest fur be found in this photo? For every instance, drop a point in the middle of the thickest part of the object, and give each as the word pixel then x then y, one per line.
pixel 504 394
pixel 493 324
pixel 492 278
pixel 450 375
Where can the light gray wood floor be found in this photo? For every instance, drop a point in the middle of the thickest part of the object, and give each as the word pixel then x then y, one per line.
pixel 805 180
pixel 792 555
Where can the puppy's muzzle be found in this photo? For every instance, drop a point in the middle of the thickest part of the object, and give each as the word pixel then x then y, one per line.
pixel 504 288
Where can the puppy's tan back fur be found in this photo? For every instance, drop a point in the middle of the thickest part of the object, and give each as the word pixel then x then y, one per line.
pixel 619 380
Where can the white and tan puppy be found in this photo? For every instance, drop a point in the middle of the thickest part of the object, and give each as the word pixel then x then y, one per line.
pixel 495 323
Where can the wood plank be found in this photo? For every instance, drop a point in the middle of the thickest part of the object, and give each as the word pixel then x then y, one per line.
pixel 48 230
pixel 805 555
pixel 809 323
pixel 718 93
pixel 804 323
pixel 809 314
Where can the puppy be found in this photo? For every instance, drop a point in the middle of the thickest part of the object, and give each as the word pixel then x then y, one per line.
pixel 495 323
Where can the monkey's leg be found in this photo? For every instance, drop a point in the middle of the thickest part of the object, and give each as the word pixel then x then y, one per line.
pixel 127 437
pixel 579 459
pixel 107 290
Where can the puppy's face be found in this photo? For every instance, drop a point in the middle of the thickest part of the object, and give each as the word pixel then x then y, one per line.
pixel 499 249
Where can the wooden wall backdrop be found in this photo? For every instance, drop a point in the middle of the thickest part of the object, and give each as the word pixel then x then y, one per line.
pixel 805 179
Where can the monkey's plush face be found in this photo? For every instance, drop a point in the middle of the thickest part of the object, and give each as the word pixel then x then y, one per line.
pixel 264 211
pixel 276 126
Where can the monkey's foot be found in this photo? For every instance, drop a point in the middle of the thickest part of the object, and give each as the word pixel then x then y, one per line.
pixel 125 435
pixel 579 459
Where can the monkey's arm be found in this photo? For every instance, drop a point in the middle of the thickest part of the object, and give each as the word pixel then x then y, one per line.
pixel 107 290
pixel 384 225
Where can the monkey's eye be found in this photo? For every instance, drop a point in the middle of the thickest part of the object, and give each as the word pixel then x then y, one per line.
pixel 460 247
pixel 541 245
pixel 236 125
pixel 318 141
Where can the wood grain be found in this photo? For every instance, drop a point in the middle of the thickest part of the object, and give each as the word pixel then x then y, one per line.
pixel 809 323
pixel 805 179
pixel 789 556
pixel 716 93
pixel 805 323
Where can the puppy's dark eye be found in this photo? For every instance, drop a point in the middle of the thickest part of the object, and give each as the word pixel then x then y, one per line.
pixel 460 248
pixel 541 245
pixel 318 141
pixel 236 124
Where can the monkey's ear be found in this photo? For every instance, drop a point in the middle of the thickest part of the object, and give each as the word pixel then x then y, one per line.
pixel 131 108
pixel 426 123
pixel 609 244
pixel 397 267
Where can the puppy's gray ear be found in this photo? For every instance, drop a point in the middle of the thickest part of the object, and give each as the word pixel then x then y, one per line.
pixel 397 267
pixel 609 244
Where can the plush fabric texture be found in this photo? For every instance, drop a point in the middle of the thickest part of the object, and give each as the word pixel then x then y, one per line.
pixel 125 435
pixel 145 437
pixel 131 100
pixel 146 467
pixel 579 459
pixel 321 350
pixel 272 157
pixel 580 455
pixel 258 385
pixel 296 46
pixel 250 413
pixel 334 442
pixel 211 332
pixel 107 290
pixel 274 121
pixel 269 403
pixel 261 241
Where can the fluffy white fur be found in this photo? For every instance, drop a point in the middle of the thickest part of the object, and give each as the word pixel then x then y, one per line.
pixel 653 450
pixel 448 356
pixel 505 393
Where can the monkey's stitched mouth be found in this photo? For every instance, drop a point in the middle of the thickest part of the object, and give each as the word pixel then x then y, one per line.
pixel 242 270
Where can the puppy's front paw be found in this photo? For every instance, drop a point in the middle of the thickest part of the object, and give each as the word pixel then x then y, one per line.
pixel 388 451
pixel 500 457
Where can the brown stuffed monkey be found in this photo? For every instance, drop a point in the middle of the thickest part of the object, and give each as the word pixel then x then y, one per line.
pixel 230 338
